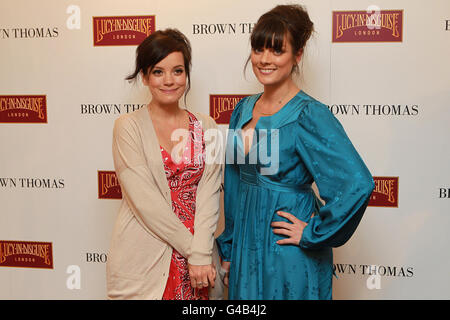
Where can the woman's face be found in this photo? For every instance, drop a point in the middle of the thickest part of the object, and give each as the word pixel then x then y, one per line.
pixel 167 80
pixel 273 67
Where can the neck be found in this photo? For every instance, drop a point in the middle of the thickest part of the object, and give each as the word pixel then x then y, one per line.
pixel 167 111
pixel 274 93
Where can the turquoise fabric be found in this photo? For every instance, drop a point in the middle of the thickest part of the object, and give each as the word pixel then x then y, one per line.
pixel 313 147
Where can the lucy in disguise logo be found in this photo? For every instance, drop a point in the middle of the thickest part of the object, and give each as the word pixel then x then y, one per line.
pixel 23 109
pixel 385 193
pixel 373 25
pixel 26 254
pixel 221 106
pixel 108 185
pixel 122 31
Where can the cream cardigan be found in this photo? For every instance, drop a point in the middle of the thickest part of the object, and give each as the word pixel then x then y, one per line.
pixel 146 228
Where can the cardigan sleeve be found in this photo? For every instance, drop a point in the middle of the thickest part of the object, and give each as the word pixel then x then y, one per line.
pixel 342 178
pixel 208 197
pixel 140 190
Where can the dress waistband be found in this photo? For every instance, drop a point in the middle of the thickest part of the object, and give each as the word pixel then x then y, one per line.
pixel 256 179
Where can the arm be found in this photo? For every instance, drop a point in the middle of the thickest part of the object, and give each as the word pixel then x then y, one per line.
pixel 141 191
pixel 231 186
pixel 208 198
pixel 343 180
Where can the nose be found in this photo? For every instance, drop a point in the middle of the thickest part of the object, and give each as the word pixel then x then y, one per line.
pixel 265 57
pixel 168 79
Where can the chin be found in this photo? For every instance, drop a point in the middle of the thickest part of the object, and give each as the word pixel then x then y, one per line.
pixel 267 82
pixel 170 101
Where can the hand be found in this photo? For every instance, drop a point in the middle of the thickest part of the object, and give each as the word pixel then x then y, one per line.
pixel 226 267
pixel 202 276
pixel 293 230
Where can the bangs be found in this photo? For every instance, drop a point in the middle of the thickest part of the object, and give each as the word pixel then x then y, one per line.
pixel 269 33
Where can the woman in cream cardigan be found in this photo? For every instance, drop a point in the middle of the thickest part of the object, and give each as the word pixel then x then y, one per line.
pixel 163 241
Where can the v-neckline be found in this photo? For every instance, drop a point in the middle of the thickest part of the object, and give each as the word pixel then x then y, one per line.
pixel 188 140
pixel 264 118
pixel 157 138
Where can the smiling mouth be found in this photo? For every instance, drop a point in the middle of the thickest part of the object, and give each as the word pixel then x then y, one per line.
pixel 266 71
pixel 169 91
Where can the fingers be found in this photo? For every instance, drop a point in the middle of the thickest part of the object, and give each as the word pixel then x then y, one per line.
pixel 285 232
pixel 293 230
pixel 193 275
pixel 287 241
pixel 281 224
pixel 202 276
pixel 226 270
pixel 193 281
pixel 288 216
pixel 212 277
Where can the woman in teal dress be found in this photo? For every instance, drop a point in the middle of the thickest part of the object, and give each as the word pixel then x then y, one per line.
pixel 278 237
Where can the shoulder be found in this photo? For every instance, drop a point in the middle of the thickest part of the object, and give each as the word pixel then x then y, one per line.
pixel 316 114
pixel 130 122
pixel 312 106
pixel 244 105
pixel 314 110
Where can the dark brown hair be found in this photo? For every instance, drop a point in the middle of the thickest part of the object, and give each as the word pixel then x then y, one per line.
pixel 159 45
pixel 271 28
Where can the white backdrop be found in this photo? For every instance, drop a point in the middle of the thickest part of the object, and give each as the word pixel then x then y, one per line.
pixel 49 171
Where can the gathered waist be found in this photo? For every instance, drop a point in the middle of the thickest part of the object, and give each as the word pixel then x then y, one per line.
pixel 256 179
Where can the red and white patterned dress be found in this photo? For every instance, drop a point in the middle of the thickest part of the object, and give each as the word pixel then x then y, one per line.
pixel 183 178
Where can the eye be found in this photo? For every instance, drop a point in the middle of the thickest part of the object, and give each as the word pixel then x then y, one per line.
pixel 258 50
pixel 179 71
pixel 157 72
pixel 278 52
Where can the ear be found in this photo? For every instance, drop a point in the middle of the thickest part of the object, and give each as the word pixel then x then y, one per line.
pixel 298 56
pixel 144 78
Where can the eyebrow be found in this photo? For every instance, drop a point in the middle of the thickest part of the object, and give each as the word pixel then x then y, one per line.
pixel 178 66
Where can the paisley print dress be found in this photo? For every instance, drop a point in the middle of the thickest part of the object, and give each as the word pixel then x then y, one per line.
pixel 183 176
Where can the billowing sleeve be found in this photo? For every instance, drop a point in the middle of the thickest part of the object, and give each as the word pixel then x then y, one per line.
pixel 342 178
pixel 140 190
pixel 231 187
pixel 208 198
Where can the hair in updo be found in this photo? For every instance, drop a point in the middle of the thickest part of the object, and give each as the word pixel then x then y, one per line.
pixel 159 45
pixel 283 20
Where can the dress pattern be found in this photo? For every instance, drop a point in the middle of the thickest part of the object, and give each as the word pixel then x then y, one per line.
pixel 304 143
pixel 183 175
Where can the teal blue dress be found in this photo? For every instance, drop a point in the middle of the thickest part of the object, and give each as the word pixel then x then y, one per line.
pixel 300 144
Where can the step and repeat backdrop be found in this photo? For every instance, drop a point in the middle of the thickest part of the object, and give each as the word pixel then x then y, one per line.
pixel 382 67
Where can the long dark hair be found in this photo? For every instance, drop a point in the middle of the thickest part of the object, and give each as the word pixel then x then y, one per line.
pixel 159 45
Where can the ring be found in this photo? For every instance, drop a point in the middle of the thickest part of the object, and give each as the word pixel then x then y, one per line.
pixel 200 283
